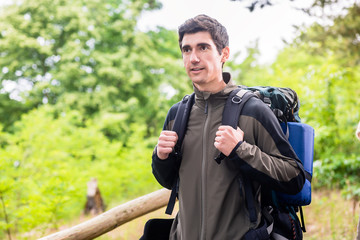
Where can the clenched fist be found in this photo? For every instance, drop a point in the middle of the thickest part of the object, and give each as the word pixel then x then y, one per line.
pixel 166 144
pixel 227 138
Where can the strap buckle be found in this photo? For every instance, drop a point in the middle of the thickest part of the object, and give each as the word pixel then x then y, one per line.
pixel 236 99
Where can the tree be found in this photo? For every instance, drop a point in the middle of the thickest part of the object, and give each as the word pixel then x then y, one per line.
pixel 341 38
pixel 83 55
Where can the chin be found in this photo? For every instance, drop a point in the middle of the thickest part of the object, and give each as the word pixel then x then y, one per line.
pixel 197 78
pixel 198 81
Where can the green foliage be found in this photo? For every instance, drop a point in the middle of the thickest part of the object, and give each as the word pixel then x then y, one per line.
pixel 340 38
pixel 326 91
pixel 46 163
pixel 87 56
pixel 82 94
pixel 248 72
pixel 339 172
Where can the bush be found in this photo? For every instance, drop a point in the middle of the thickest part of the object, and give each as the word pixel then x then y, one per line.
pixel 47 161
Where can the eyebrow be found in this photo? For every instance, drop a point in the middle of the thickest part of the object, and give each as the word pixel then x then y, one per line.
pixel 198 45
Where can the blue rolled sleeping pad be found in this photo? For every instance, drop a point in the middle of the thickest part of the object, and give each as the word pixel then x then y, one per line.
pixel 301 138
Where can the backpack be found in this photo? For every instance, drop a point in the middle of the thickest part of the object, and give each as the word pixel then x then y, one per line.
pixel 285 105
pixel 282 101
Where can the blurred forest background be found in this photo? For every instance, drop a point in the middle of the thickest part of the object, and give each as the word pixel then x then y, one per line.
pixel 84 93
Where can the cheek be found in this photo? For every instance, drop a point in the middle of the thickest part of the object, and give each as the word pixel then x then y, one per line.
pixel 185 61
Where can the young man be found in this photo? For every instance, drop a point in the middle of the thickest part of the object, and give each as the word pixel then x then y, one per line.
pixel 211 195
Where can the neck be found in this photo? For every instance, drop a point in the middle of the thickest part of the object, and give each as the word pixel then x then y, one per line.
pixel 212 88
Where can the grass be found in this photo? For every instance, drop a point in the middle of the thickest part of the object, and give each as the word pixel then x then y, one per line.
pixel 330 216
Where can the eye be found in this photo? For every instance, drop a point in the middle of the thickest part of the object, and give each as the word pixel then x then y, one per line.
pixel 204 47
pixel 186 50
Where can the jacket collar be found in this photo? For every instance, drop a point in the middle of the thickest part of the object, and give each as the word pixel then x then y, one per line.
pixel 230 85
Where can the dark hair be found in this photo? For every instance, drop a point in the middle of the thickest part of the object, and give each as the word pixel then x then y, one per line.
pixel 204 23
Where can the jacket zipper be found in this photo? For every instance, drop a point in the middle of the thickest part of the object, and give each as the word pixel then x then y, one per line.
pixel 203 172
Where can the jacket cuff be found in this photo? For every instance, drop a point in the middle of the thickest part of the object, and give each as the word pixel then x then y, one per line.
pixel 233 152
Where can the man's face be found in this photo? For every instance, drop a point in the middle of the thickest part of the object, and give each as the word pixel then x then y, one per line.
pixel 202 61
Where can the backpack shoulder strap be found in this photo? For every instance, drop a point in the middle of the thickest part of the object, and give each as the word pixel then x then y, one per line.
pixel 180 126
pixel 232 110
pixel 234 105
pixel 181 120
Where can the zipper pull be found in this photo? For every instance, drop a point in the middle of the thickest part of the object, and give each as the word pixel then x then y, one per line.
pixel 206 107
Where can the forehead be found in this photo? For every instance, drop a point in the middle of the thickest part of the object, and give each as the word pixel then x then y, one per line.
pixel 194 39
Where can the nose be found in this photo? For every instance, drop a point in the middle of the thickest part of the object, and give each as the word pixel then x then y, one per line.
pixel 194 57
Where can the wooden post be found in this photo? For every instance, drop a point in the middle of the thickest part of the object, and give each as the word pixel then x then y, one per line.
pixel 113 218
pixel 94 204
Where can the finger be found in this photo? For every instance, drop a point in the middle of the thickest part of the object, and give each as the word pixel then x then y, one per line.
pixel 240 131
pixel 169 133
pixel 164 149
pixel 168 138
pixel 163 153
pixel 167 146
pixel 224 127
pixel 219 133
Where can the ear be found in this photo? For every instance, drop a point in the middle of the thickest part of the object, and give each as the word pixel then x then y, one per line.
pixel 225 54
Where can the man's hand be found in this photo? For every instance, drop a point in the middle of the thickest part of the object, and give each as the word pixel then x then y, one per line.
pixel 227 138
pixel 166 143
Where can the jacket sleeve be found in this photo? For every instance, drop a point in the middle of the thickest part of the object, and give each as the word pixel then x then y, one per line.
pixel 266 155
pixel 165 171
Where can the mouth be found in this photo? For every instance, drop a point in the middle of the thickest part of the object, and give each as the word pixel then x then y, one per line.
pixel 196 69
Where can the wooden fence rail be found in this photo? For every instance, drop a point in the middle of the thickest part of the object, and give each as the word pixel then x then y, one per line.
pixel 114 217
